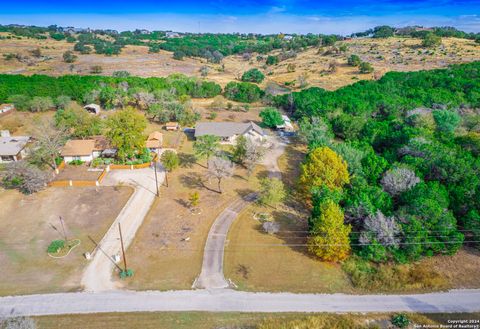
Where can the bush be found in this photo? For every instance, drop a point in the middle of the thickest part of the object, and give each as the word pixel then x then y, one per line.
pixel 366 67
pixel 253 75
pixel 69 57
pixel 272 60
pixel 76 162
pixel 400 320
pixel 55 246
pixel 354 60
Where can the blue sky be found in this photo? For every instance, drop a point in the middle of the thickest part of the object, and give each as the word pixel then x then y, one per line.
pixel 261 16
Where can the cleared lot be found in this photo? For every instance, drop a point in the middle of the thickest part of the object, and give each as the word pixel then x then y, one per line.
pixel 26 231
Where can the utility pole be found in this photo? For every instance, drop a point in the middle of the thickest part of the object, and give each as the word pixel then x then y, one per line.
pixel 156 179
pixel 123 249
pixel 63 228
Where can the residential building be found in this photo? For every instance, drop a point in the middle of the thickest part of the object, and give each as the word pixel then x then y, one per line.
pixel 172 126
pixel 12 148
pixel 228 132
pixel 287 124
pixel 87 149
pixel 154 141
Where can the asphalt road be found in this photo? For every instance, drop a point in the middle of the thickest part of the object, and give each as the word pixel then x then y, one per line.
pixel 227 300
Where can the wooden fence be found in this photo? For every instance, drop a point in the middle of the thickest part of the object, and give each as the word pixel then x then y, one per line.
pixel 84 183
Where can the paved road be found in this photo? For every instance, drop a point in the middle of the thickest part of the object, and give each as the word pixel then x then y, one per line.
pixel 98 274
pixel 227 300
pixel 211 276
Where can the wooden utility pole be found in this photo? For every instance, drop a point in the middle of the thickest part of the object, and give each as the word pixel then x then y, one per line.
pixel 123 249
pixel 97 246
pixel 156 179
pixel 63 228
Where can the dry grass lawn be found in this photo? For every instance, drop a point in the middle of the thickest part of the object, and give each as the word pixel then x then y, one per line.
pixel 26 232
pixel 167 251
pixel 393 54
pixel 203 320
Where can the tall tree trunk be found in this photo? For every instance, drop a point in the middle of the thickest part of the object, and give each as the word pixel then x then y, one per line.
pixel 166 177
pixel 219 185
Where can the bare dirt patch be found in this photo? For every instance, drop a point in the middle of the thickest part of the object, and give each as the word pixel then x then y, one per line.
pixel 71 172
pixel 26 232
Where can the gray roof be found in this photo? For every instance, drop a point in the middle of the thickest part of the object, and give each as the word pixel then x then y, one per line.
pixel 12 145
pixel 226 129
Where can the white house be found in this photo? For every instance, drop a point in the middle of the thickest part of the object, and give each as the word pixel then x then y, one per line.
pixel 228 132
pixel 87 149
pixel 12 148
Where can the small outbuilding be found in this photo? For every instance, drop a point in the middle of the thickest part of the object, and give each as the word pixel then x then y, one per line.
pixel 172 126
pixel 93 108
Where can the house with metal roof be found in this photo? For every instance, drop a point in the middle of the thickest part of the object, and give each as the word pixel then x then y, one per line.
pixel 13 148
pixel 228 132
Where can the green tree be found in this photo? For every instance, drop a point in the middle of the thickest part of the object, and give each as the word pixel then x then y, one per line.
pixel 78 123
pixel 271 117
pixel 272 60
pixel 446 121
pixel 244 92
pixel 40 104
pixel 179 55
pixel 253 75
pixel 125 132
pixel 272 191
pixel 354 60
pixel 329 238
pixel 170 161
pixel 206 146
pixel 431 40
pixel 240 150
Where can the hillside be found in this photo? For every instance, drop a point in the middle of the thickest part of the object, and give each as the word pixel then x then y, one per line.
pixel 312 65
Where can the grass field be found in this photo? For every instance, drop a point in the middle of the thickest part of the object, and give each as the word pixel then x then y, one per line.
pixel 393 54
pixel 26 232
pixel 202 320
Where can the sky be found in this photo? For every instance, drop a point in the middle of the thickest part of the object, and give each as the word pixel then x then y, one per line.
pixel 256 16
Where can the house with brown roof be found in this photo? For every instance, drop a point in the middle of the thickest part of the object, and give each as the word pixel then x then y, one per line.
pixel 87 149
pixel 154 141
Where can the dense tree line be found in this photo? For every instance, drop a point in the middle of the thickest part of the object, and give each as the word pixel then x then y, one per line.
pixel 386 31
pixel 411 144
pixel 80 88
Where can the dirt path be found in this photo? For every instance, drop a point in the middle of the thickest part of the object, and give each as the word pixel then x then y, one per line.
pixel 98 274
pixel 211 276
pixel 227 300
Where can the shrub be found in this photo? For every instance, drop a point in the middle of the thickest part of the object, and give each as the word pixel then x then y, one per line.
pixel 400 320
pixel 366 67
pixel 244 92
pixel 272 60
pixel 354 60
pixel 69 57
pixel 253 75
